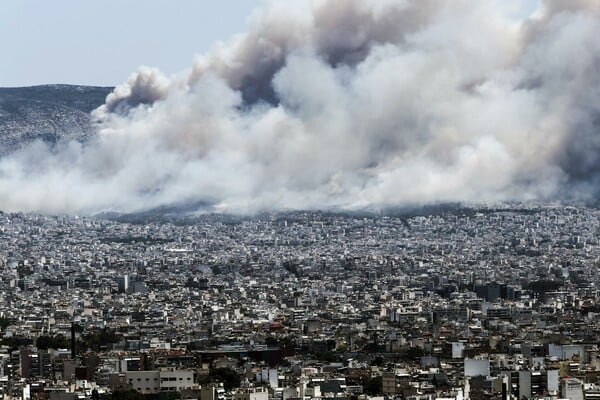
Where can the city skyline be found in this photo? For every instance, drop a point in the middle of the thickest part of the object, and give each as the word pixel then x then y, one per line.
pixel 347 200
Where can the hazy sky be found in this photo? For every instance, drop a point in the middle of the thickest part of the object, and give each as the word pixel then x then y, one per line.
pixel 97 42
pixel 103 42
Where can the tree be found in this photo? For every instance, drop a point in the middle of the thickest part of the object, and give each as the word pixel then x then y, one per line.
pixel 4 323
pixel 127 394
pixel 373 386
pixel 45 342
pixel 227 376
pixel 414 354
pixel 97 340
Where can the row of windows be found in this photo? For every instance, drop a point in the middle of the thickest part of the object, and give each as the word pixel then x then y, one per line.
pixel 170 379
pixel 162 388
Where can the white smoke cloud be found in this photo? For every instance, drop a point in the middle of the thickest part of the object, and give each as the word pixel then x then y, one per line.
pixel 345 104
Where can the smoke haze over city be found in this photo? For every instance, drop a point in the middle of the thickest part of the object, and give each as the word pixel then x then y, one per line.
pixel 344 104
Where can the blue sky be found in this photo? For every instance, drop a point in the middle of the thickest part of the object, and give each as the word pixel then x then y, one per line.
pixel 103 42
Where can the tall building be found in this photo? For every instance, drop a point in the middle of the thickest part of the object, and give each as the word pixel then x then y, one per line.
pixel 572 389
pixel 123 283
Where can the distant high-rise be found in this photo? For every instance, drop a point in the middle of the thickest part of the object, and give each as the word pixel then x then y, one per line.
pixel 123 283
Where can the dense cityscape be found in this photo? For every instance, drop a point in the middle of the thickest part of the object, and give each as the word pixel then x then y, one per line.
pixel 446 302
pixel 300 200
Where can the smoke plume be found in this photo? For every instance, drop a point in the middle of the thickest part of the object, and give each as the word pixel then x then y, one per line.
pixel 345 104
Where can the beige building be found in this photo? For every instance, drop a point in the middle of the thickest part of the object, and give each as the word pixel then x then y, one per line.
pixel 162 380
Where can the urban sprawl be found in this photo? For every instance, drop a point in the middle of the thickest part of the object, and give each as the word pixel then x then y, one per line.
pixel 495 302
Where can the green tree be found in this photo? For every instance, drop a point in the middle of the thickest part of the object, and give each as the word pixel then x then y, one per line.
pixel 4 323
pixel 127 394
pixel 227 376
pixel 45 342
pixel 99 339
pixel 373 386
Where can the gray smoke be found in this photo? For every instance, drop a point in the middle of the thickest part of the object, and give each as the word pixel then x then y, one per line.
pixel 347 104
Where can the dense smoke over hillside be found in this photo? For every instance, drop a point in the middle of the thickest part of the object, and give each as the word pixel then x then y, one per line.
pixel 346 104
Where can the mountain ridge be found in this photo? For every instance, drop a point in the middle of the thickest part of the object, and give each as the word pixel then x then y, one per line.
pixel 49 113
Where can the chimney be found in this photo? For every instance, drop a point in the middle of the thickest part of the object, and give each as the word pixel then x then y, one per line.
pixel 73 351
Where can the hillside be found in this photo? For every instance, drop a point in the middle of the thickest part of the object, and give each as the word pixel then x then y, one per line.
pixel 47 112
